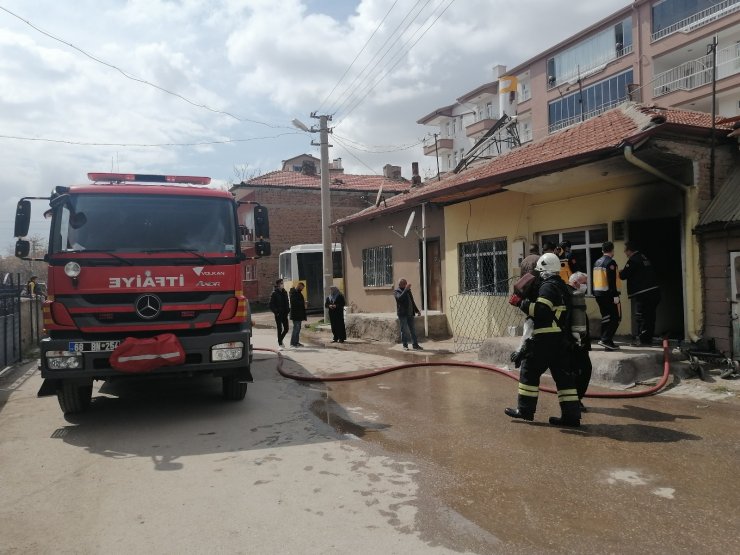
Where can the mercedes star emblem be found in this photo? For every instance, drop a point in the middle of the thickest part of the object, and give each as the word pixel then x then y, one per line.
pixel 148 306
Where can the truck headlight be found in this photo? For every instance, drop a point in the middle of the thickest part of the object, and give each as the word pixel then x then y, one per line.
pixel 227 351
pixel 72 269
pixel 63 360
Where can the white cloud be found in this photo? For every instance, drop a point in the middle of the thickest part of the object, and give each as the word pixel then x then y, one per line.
pixel 259 59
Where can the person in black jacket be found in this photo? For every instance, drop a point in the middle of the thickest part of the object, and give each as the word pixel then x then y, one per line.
pixel 406 309
pixel 642 288
pixel 335 303
pixel 297 313
pixel 551 343
pixel 280 308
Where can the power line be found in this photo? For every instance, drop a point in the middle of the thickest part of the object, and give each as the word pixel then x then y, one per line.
pixel 138 79
pixel 374 150
pixel 367 42
pixel 147 145
pixel 400 58
pixel 348 151
pixel 362 72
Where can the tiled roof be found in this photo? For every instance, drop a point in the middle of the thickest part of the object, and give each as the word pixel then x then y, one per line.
pixel 337 181
pixel 597 137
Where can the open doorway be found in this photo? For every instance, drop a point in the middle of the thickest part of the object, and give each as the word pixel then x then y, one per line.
pixel 660 241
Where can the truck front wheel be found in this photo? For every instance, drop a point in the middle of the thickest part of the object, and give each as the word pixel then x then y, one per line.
pixel 74 398
pixel 234 389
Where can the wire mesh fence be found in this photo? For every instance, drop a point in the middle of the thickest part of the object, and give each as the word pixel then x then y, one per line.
pixel 478 314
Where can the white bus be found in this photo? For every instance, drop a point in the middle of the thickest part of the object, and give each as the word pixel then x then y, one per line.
pixel 304 264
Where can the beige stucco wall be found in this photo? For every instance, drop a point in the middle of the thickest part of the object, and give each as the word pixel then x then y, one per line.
pixel 406 257
pixel 515 215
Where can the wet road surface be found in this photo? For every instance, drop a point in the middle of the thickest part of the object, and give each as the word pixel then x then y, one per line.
pixel 655 474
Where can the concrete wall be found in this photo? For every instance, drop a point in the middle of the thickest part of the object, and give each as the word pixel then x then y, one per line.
pixel 32 323
pixel 406 257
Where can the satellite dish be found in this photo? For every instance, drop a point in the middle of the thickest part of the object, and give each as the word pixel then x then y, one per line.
pixel 379 197
pixel 409 223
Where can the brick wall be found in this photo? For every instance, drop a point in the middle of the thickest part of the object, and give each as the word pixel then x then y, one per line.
pixel 295 219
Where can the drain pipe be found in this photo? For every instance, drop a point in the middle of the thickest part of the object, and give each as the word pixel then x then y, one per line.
pixel 424 266
pixel 688 252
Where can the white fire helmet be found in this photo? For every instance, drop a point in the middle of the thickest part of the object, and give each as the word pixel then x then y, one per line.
pixel 548 262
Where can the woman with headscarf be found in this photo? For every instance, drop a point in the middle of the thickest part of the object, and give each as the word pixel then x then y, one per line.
pixel 335 303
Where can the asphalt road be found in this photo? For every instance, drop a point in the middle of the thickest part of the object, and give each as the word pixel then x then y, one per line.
pixel 418 461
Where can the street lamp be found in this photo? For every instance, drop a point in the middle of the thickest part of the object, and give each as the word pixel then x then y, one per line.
pixel 328 265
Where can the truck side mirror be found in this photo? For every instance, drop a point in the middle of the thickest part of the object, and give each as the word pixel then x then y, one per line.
pixel 22 218
pixel 22 248
pixel 261 222
pixel 262 248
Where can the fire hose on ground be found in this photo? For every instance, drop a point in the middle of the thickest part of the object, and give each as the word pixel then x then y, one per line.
pixel 476 365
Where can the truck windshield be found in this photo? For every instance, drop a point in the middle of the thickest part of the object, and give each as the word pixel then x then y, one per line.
pixel 140 223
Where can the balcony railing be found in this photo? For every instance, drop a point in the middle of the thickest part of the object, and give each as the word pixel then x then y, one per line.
pixel 699 19
pixel 696 73
pixel 442 145
pixel 595 67
pixel 562 124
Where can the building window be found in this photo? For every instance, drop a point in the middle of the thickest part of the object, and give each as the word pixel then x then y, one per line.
pixel 449 162
pixel 484 267
pixel 489 110
pixel 377 266
pixel 585 245
pixel 449 128
pixel 669 12
pixel 594 100
pixel 590 54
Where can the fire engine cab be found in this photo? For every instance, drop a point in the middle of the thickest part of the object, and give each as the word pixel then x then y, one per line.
pixel 145 277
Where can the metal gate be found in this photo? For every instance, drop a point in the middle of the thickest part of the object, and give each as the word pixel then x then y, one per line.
pixel 10 316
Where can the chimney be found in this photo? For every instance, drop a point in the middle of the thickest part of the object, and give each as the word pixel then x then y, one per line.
pixel 392 172
pixel 336 166
pixel 415 177
pixel 498 71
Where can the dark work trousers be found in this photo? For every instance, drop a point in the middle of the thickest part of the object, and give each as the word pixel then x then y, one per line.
pixel 281 320
pixel 645 305
pixel 580 364
pixel 336 319
pixel 549 351
pixel 609 318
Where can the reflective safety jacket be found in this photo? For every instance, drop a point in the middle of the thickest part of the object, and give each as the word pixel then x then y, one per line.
pixel 552 309
pixel 606 279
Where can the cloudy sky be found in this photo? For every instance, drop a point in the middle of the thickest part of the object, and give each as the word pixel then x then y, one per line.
pixel 210 87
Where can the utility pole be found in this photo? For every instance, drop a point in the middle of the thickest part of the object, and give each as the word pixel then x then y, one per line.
pixel 328 262
pixel 712 48
pixel 436 154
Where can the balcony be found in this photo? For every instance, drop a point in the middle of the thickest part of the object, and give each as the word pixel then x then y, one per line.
pixel 697 73
pixel 479 127
pixel 580 72
pixel 443 145
pixel 699 19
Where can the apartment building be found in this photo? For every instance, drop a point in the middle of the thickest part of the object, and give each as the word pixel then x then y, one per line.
pixel 651 51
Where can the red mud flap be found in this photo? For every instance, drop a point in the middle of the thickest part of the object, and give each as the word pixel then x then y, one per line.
pixel 144 355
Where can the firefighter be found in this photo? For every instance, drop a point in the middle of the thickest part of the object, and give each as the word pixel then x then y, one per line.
pixel 606 291
pixel 551 341
pixel 642 289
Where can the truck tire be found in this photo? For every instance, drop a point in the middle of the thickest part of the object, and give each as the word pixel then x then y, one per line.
pixel 74 398
pixel 234 390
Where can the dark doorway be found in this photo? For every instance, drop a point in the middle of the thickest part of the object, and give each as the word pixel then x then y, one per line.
pixel 434 274
pixel 660 241
pixel 310 270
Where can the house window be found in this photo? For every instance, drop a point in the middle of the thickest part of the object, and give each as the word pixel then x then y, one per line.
pixel 670 12
pixel 484 267
pixel 449 162
pixel 377 266
pixel 591 102
pixel 449 129
pixel 585 245
pixel 489 110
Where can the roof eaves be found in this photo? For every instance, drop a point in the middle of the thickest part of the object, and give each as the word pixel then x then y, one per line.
pixel 444 111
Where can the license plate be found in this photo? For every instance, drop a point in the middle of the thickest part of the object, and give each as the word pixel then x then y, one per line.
pixel 92 346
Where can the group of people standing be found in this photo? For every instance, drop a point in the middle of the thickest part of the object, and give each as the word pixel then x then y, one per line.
pixel 556 335
pixel 292 305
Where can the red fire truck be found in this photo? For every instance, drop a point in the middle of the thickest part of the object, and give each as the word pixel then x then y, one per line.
pixel 145 277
